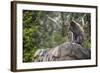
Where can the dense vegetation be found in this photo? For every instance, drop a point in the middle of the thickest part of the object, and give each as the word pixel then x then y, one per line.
pixel 47 29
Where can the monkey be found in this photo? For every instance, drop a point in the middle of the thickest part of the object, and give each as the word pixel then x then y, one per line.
pixel 77 32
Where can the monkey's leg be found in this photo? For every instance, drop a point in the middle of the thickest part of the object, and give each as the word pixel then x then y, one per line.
pixel 79 40
pixel 74 38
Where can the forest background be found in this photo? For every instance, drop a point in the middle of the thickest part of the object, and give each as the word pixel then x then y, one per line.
pixel 48 29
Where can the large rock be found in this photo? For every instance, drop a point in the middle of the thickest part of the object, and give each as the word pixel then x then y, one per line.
pixel 65 51
pixel 39 55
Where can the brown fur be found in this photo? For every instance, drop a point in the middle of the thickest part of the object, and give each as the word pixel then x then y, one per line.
pixel 77 32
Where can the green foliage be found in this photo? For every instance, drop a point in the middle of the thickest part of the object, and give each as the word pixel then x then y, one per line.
pixel 48 29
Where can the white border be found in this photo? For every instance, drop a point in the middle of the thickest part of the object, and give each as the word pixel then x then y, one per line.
pixel 21 65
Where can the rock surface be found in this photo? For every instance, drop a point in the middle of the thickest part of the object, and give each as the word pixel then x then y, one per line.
pixel 65 51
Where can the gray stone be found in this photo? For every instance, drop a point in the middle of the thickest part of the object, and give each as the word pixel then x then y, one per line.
pixel 65 51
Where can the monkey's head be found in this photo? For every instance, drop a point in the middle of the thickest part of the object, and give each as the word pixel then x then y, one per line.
pixel 72 23
pixel 72 26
